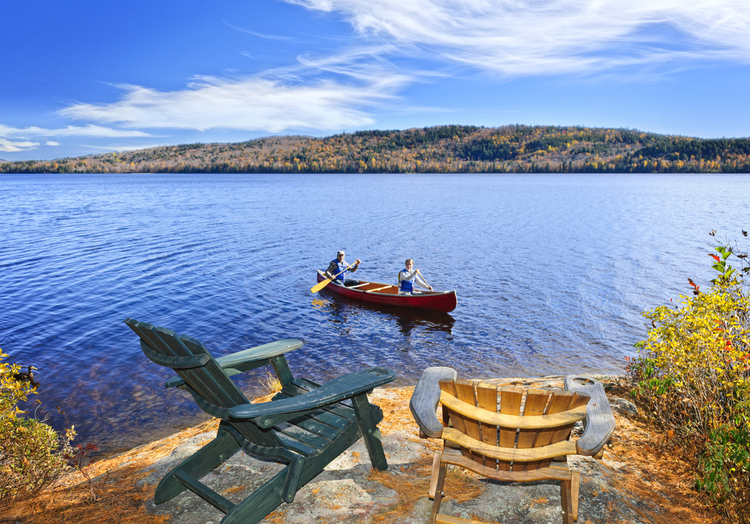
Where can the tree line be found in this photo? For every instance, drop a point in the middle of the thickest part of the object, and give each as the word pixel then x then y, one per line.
pixel 451 148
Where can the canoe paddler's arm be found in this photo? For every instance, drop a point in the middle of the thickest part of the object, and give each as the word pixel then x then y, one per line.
pixel 421 281
pixel 355 266
pixel 332 269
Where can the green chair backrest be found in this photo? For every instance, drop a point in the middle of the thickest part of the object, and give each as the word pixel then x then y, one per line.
pixel 203 376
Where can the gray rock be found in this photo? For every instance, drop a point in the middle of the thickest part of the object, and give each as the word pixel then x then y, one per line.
pixel 623 406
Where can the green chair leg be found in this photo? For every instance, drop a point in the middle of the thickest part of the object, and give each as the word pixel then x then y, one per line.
pixel 258 505
pixel 199 464
pixel 370 432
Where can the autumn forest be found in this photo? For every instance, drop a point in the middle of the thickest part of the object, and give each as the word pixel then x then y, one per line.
pixel 455 149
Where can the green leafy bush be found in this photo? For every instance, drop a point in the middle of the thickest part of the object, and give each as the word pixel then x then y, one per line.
pixel 32 455
pixel 693 376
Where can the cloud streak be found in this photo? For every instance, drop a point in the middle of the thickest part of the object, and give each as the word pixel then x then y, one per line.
pixel 11 146
pixel 242 104
pixel 14 139
pixel 89 130
pixel 534 37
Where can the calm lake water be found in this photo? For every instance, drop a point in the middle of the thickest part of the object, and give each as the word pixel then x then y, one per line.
pixel 552 274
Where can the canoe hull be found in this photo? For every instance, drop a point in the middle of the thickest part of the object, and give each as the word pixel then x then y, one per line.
pixel 387 295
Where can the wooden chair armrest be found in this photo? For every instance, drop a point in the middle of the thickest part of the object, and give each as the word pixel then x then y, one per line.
pixel 238 362
pixel 268 414
pixel 247 359
pixel 425 399
pixel 600 421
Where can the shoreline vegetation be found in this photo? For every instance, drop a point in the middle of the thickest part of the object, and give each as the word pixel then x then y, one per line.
pixel 439 149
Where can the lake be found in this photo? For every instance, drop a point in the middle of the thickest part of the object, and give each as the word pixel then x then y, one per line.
pixel 552 273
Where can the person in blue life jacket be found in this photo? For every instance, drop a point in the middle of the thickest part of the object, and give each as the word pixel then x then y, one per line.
pixel 408 278
pixel 338 268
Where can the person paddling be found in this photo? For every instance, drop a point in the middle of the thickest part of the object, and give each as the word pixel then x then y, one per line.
pixel 407 279
pixel 338 268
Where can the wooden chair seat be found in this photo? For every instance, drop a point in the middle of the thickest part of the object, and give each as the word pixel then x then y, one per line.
pixel 305 426
pixel 510 433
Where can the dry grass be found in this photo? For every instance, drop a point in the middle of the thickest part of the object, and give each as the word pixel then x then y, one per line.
pixel 412 483
pixel 654 474
pixel 118 499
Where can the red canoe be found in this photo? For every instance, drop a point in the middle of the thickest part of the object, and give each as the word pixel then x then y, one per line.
pixel 387 295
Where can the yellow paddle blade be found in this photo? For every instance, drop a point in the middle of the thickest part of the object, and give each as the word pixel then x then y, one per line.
pixel 320 285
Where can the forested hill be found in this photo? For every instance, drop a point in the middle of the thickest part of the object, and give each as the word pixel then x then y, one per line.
pixel 459 149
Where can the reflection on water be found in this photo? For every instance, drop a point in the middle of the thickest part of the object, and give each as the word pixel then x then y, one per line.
pixel 429 320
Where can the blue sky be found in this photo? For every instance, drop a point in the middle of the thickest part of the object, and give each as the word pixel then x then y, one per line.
pixel 80 77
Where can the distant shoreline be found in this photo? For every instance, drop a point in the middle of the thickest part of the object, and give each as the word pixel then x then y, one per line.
pixel 440 149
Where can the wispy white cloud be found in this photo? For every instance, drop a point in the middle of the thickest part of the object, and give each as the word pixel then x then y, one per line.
pixel 14 146
pixel 243 104
pixel 261 35
pixel 15 139
pixel 529 37
pixel 88 130
pixel 119 147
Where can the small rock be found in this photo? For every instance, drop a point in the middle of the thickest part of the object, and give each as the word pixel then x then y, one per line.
pixel 623 406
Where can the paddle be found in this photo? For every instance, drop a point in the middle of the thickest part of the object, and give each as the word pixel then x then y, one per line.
pixel 320 285
pixel 423 279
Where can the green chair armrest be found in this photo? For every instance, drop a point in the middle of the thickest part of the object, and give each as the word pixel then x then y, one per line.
pixel 238 362
pixel 600 421
pixel 268 414
pixel 248 359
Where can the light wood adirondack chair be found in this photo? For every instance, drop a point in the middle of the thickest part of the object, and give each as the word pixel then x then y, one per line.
pixel 305 426
pixel 510 433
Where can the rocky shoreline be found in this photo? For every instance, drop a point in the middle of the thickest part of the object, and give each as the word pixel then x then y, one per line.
pixel 633 482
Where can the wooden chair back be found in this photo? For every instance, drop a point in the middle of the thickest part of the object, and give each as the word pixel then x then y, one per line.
pixel 509 428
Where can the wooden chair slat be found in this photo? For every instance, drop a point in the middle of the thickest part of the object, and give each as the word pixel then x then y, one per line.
pixel 457 459
pixel 465 393
pixel 449 387
pixel 168 342
pixel 297 432
pixel 559 402
pixel 487 400
pixel 512 421
pixel 579 400
pixel 534 406
pixel 574 401
pixel 214 378
pixel 198 378
pixel 511 398
pixel 557 449
pixel 336 415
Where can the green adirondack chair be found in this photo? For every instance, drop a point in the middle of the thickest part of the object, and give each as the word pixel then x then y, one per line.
pixel 305 426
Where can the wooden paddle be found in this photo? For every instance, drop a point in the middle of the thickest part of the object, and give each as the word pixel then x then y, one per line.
pixel 320 285
pixel 423 279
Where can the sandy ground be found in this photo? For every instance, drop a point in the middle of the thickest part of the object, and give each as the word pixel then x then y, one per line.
pixel 633 483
